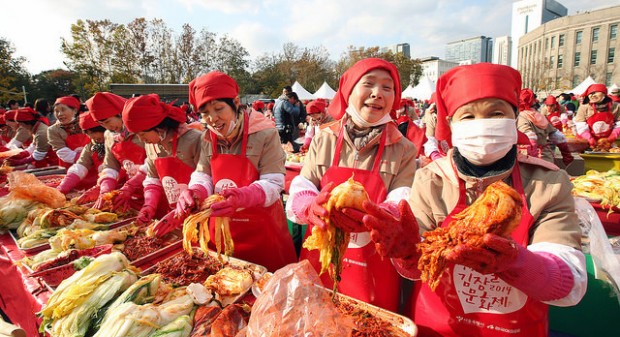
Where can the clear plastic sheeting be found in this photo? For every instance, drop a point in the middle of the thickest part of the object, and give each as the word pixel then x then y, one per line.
pixel 293 303
pixel 606 261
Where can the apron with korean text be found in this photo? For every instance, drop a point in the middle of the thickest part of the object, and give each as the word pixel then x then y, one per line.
pixel 468 303
pixel 601 123
pixel 260 233
pixel 130 155
pixel 173 173
pixel 365 275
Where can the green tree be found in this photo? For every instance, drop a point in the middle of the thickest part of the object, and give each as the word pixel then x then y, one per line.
pixel 12 73
pixel 51 84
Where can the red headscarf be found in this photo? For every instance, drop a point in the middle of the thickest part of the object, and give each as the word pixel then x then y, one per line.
pixel 526 99
pixel 147 111
pixel 105 105
pixel 258 105
pixel 213 85
pixel 26 115
pixel 551 100
pixel 10 115
pixel 69 101
pixel 465 84
pixel 87 121
pixel 315 107
pixel 270 106
pixel 2 120
pixel 350 78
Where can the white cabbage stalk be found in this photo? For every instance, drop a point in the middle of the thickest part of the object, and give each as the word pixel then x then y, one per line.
pixel 180 327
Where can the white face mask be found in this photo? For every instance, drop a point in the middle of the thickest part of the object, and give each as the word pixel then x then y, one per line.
pixel 358 120
pixel 484 141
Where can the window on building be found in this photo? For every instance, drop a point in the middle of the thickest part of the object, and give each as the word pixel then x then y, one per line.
pixel 578 36
pixel 613 32
pixel 610 55
pixel 553 42
pixel 608 78
pixel 577 59
pixel 551 62
pixel 593 57
pixel 595 32
pixel 575 81
pixel 560 61
pixel 546 43
pixel 561 40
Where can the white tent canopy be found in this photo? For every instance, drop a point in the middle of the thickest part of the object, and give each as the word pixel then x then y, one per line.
pixel 423 90
pixel 581 88
pixel 613 86
pixel 325 91
pixel 302 93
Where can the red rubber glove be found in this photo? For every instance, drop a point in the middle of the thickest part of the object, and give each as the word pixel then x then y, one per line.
pixel 90 195
pixel 395 235
pixel 242 197
pixel 68 183
pixel 614 135
pixel 152 194
pixel 588 136
pixel 499 255
pixel 106 185
pixel 187 199
pixel 168 223
pixel 131 187
pixel 349 220
pixel 20 159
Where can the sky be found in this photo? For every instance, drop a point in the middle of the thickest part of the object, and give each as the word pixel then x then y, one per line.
pixel 35 27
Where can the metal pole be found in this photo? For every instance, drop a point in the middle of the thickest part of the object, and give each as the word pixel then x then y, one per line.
pixel 25 97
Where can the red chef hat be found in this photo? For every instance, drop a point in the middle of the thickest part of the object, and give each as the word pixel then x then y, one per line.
pixel 10 115
pixel 550 100
pixel 315 107
pixel 69 101
pixel 596 87
pixel 258 105
pixel 213 85
pixel 2 120
pixel 350 78
pixel 26 114
pixel 147 111
pixel 87 121
pixel 526 99
pixel 465 84
pixel 270 106
pixel 105 105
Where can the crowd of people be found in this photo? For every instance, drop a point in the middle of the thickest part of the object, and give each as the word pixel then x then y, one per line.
pixel 420 162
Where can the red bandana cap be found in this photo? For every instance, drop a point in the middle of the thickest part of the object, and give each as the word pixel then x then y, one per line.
pixel 69 101
pixel 2 120
pixel 87 121
pixel 315 107
pixel 10 115
pixel 26 114
pixel 145 112
pixel 270 106
pixel 350 78
pixel 596 87
pixel 258 105
pixel 105 105
pixel 550 100
pixel 465 84
pixel 210 86
pixel 526 99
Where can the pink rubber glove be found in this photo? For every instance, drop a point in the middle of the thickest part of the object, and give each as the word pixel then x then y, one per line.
pixel 131 187
pixel 188 198
pixel 436 155
pixel 152 194
pixel 168 223
pixel 308 207
pixel 614 135
pixel 395 235
pixel 242 197
pixel 106 185
pixel 533 150
pixel 68 183
pixel 588 136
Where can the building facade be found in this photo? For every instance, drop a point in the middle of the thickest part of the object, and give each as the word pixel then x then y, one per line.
pixel 401 48
pixel 433 67
pixel 527 15
pixel 473 50
pixel 563 52
pixel 501 50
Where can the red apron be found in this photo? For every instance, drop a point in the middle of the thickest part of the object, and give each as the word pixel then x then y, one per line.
pixel 174 174
pixel 50 159
pixel 554 119
pixel 73 141
pixel 601 123
pixel 467 303
pixel 365 275
pixel 130 155
pixel 417 136
pixel 260 233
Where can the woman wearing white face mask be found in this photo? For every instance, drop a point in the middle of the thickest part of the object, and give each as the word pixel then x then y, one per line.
pixel 172 152
pixel 512 280
pixel 65 136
